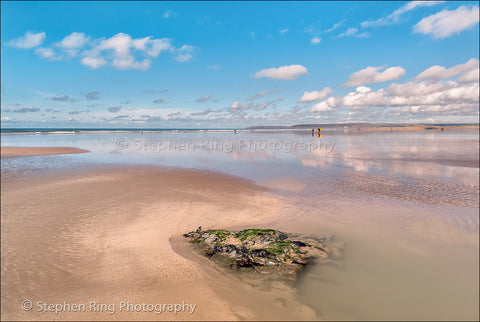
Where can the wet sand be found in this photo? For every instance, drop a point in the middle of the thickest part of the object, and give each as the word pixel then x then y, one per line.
pixel 102 235
pixel 406 206
pixel 31 151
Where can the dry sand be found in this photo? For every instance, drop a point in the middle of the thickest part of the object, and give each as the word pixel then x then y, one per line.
pixel 31 151
pixel 102 235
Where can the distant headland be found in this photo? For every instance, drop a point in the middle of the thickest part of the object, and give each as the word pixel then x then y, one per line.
pixel 373 126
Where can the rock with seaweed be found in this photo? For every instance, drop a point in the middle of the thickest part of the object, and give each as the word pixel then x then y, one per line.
pixel 269 252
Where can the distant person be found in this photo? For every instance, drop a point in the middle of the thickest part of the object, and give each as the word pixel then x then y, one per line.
pixel 313 132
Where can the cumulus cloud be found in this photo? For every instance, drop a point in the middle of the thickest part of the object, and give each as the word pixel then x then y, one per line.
pixel 329 104
pixel 469 72
pixel 159 101
pixel 315 95
pixel 315 40
pixel 365 96
pixel 372 75
pixel 415 89
pixel 284 72
pixel 122 58
pixel 47 53
pixel 395 16
pixel 434 98
pixel 450 93
pixel 448 22
pixel 469 76
pixel 120 51
pixel 114 109
pixel 29 40
pixel 92 95
pixel 93 62
pixel 73 42
pixel 183 54
pixel 157 46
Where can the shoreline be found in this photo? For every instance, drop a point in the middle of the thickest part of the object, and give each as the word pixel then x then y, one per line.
pixel 10 152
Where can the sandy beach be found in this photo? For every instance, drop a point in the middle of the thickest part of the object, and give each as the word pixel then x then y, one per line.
pixel 103 235
pixel 32 151
pixel 97 236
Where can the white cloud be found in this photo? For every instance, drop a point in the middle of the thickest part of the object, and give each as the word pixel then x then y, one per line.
pixel 315 40
pixel 469 76
pixel 315 95
pixel 365 96
pixel 372 75
pixel 120 43
pixel 73 42
pixel 183 54
pixel 439 72
pixel 283 31
pixel 238 106
pixel 448 22
pixel 158 46
pixel 131 63
pixel 415 89
pixel 93 62
pixel 241 106
pixel 328 105
pixel 353 32
pixel 47 53
pixel 335 26
pixel 284 72
pixel 394 17
pixel 451 93
pixel 120 51
pixel 29 40
pixel 122 57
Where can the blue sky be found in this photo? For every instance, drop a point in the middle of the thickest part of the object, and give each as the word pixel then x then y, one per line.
pixel 235 64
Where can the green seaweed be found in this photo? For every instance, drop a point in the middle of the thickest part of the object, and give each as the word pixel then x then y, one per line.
pixel 279 247
pixel 220 233
pixel 244 234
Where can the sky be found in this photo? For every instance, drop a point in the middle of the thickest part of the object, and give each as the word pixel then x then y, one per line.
pixel 236 64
